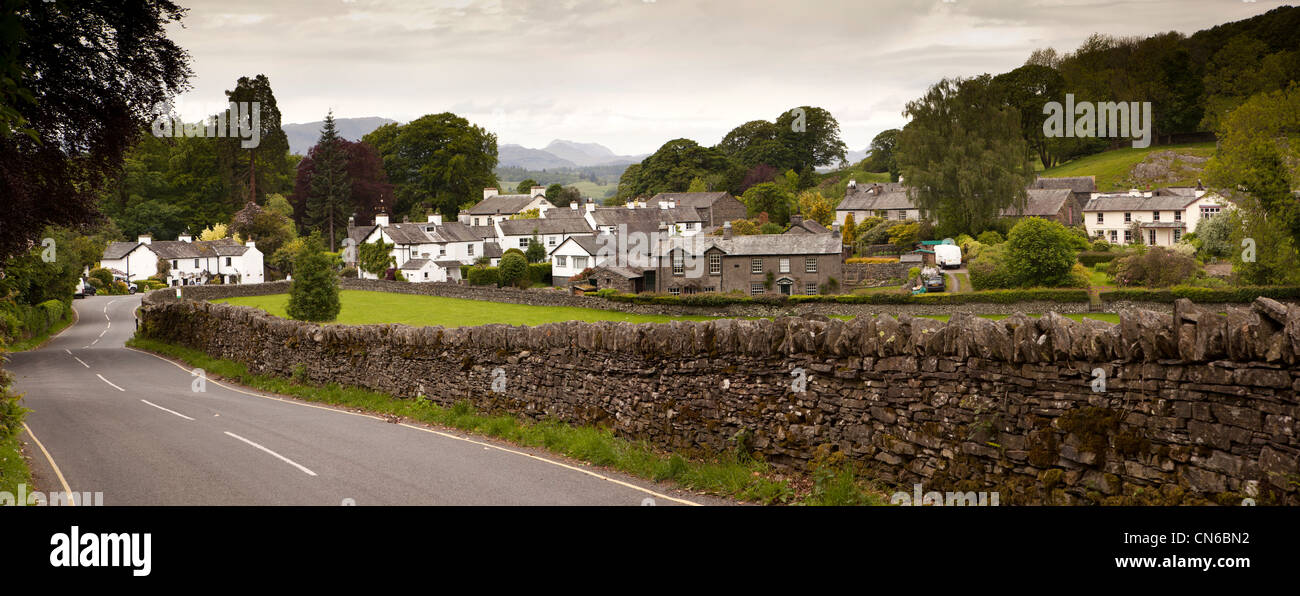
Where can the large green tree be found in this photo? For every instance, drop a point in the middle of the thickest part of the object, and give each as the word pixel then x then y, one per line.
pixel 439 160
pixel 673 166
pixel 768 198
pixel 330 197
pixel 1259 154
pixel 314 294
pixel 253 171
pixel 963 155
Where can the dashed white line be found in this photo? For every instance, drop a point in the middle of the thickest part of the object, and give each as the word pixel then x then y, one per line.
pixel 101 377
pixel 101 333
pixel 93 342
pixel 277 455
pixel 68 351
pixel 166 410
pixel 82 362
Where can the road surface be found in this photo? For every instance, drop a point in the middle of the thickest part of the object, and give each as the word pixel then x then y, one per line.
pixel 106 418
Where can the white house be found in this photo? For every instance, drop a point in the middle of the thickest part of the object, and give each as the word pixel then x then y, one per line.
pixel 572 256
pixel 550 231
pixel 497 207
pixel 1158 218
pixel 889 201
pixel 189 261
pixel 444 245
pixel 430 270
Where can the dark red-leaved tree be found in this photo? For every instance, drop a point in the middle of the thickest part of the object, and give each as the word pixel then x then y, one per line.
pixel 757 175
pixel 78 85
pixel 370 186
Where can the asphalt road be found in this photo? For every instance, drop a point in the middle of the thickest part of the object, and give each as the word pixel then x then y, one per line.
pixel 130 425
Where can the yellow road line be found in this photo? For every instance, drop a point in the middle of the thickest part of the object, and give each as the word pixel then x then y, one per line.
pixel 72 498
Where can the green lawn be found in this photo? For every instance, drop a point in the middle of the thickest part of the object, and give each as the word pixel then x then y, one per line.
pixel 1097 278
pixel 365 308
pixel 1112 167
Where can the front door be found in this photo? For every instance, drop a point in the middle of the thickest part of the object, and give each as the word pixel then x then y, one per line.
pixel 785 285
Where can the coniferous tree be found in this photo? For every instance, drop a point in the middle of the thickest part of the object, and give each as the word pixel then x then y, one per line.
pixel 331 191
pixel 314 295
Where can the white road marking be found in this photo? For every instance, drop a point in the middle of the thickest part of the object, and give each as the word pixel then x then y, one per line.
pixel 101 377
pixel 277 455
pixel 93 342
pixel 166 410
pixel 82 363
pixel 428 430
pixel 72 498
pixel 101 333
pixel 68 351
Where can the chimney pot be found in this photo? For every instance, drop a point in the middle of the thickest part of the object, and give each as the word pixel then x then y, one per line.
pixel 489 192
pixel 726 230
pixel 145 238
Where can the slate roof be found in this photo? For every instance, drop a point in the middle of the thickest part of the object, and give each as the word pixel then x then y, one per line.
pixel 454 231
pixel 117 250
pixel 563 213
pixel 1074 183
pixel 759 244
pixel 694 200
pixel 612 216
pixel 1041 202
pixel 525 227
pixel 408 233
pixel 492 250
pixel 1126 202
pixel 875 197
pixel 588 243
pixel 448 264
pixel 358 234
pixel 503 204
pixel 483 232
pixel 414 264
pixel 807 226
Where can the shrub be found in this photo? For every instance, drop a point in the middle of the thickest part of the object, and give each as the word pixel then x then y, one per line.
pixel 314 294
pixel 539 273
pixel 53 311
pixel 1100 245
pixel 1041 252
pixel 513 269
pixel 872 260
pixel 989 271
pixel 104 276
pixel 483 275
pixel 536 253
pixel 1155 268
pixel 990 237
pixel 1090 259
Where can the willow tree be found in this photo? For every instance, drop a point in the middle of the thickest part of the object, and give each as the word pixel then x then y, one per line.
pixel 963 155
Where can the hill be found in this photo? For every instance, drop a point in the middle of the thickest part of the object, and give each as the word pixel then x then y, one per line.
pixel 304 135
pixel 1150 167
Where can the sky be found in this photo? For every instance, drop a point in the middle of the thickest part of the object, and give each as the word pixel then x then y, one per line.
pixel 633 74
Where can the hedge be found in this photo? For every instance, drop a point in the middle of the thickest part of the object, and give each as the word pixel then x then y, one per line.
pixel 1090 258
pixel 987 297
pixel 539 273
pixel 480 275
pixel 1204 295
pixel 21 321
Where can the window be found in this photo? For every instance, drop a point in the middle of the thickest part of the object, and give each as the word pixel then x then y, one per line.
pixel 1178 216
pixel 227 261
pixel 756 265
pixel 675 291
pixel 755 288
pixel 442 251
pixel 1151 236
pixel 1155 216
pixel 1114 236
pixel 550 240
pixel 174 265
pixel 1209 211
pixel 523 242
pixel 902 214
pixel 710 288
pixel 810 288
pixel 691 290
pixel 1128 236
pixel 785 265
pixel 478 222
pixel 882 214
pixel 810 265
pixel 196 263
pixel 715 264
pixel 1128 217
pixel 1101 217
pixel 1178 235
pixel 426 275
pixel 679 263
pixel 579 262
pixel 559 260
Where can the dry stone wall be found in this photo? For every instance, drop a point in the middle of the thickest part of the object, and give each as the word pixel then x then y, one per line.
pixel 1187 407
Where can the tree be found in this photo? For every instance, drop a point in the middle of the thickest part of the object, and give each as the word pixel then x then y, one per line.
pixel 375 257
pixel 439 160
pixel 1026 90
pixel 770 199
pixel 536 253
pixel 1263 253
pixel 673 166
pixel 1040 252
pixel 314 294
pixel 71 127
pixel 963 155
pixel 328 200
pixel 813 135
pixel 371 192
pixel 1214 235
pixel 525 187
pixel 1258 155
pixel 32 278
pixel 514 267
pixel 214 232
pixel 534 213
pixel 816 207
pixel 253 171
pixel 882 157
pixel 849 230
pixel 697 185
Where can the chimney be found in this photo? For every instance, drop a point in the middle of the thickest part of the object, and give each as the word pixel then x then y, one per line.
pixel 541 211
pixel 381 219
pixel 835 230
pixel 436 218
pixel 352 220
pixel 489 192
pixel 538 190
pixel 591 206
pixel 726 230
pixel 250 244
pixel 185 237
pixel 796 220
pixel 573 205
pixel 406 219
pixel 853 183
pixel 145 238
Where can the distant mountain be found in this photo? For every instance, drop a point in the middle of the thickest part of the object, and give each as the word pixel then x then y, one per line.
pixel 303 136
pixel 562 154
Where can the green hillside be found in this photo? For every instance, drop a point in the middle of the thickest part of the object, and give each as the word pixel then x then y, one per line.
pixel 1150 167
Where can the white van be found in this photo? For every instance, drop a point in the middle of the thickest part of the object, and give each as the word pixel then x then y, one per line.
pixel 947 256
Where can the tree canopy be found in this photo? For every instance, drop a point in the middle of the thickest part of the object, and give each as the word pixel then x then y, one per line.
pixel 439 160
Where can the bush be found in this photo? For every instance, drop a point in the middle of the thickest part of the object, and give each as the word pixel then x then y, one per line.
pixel 1090 259
pixel 1155 268
pixel 539 273
pixel 989 271
pixel 483 275
pixel 990 237
pixel 314 293
pixel 53 311
pixel 104 276
pixel 1100 245
pixel 513 269
pixel 1238 294
pixel 1041 252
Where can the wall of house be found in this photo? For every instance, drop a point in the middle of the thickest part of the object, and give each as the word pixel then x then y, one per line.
pixel 1194 407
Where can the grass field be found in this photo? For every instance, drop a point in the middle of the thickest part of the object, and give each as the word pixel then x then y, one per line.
pixel 366 308
pixel 1112 167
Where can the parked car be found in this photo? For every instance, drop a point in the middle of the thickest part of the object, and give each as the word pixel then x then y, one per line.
pixel 935 283
pixel 83 289
pixel 130 285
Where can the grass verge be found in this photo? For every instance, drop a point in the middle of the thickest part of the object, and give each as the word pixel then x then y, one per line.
pixel 736 475
pixel 13 466
pixel 36 340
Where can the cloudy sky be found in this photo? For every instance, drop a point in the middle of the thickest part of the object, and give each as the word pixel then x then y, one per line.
pixel 632 74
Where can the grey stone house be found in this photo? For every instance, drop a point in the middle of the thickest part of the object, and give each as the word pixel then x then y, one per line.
pixel 713 207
